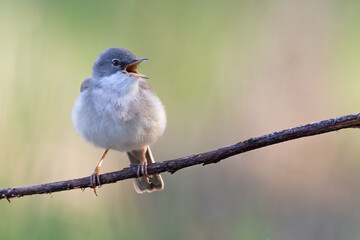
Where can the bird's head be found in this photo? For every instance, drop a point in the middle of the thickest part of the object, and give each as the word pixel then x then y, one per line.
pixel 114 60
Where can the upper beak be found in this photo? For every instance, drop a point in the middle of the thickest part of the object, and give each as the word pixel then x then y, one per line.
pixel 132 68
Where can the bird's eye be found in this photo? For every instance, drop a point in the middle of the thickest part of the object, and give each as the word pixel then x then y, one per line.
pixel 115 62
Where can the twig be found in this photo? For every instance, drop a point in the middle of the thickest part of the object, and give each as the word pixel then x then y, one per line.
pixel 214 156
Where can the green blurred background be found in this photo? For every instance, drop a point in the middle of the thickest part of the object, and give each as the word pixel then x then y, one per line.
pixel 225 71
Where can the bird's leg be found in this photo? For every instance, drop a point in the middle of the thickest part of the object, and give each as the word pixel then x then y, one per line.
pixel 95 177
pixel 142 168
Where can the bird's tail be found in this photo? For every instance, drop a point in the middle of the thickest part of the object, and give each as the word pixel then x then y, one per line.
pixel 141 185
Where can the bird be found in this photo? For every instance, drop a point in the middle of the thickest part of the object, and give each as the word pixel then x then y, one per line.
pixel 118 110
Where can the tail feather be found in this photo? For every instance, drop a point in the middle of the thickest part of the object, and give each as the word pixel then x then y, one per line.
pixel 140 184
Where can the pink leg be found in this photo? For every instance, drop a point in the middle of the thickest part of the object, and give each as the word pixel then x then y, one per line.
pixel 95 177
pixel 142 168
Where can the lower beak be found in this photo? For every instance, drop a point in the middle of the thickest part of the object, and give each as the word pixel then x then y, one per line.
pixel 132 69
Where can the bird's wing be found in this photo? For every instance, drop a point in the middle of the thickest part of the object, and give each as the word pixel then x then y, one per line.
pixel 85 84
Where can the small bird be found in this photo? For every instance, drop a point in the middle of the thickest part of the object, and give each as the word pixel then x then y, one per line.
pixel 118 110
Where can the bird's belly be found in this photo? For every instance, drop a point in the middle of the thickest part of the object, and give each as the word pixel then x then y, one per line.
pixel 106 130
pixel 109 133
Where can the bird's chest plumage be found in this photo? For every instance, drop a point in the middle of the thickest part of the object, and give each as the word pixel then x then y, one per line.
pixel 123 121
pixel 115 107
pixel 120 117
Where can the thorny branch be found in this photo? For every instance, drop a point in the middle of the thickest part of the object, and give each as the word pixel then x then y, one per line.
pixel 213 156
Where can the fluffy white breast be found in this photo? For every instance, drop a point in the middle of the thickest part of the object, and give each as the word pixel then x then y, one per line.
pixel 114 113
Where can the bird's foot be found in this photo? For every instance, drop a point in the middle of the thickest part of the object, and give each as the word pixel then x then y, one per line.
pixel 143 172
pixel 95 179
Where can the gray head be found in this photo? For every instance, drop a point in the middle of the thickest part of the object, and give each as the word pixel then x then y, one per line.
pixel 114 60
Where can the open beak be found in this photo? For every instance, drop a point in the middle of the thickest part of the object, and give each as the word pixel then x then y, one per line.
pixel 132 69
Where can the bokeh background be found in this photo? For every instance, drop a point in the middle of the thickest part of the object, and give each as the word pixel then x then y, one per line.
pixel 226 71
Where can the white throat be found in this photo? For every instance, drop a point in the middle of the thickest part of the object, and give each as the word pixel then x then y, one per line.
pixel 120 83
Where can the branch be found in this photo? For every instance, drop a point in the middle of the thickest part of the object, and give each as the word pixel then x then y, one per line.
pixel 171 166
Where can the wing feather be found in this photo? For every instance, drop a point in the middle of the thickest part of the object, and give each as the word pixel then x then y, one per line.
pixel 85 84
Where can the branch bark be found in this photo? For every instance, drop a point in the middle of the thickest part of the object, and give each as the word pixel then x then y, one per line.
pixel 214 156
